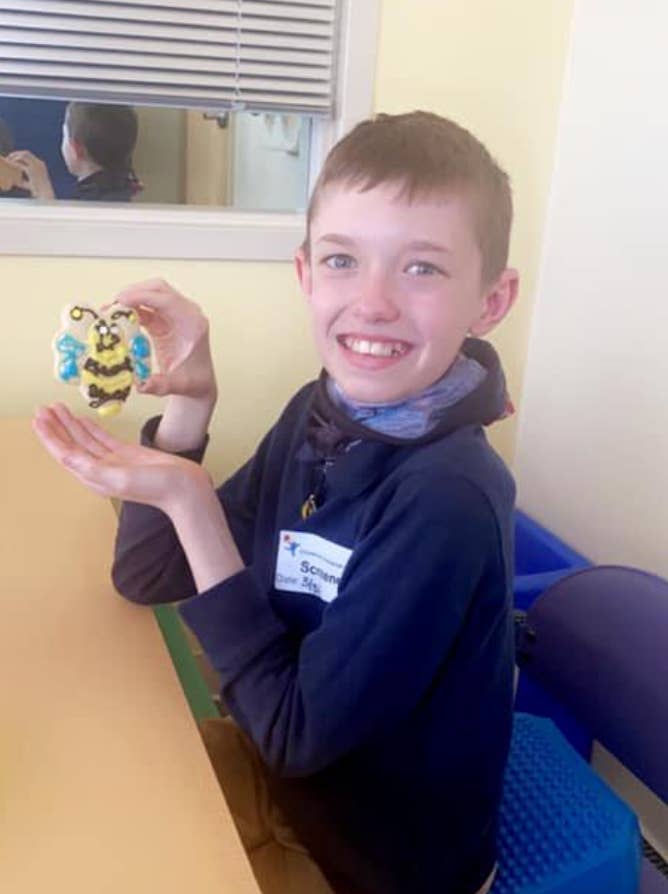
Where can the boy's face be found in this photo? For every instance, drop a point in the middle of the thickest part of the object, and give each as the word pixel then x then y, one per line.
pixel 71 151
pixel 66 149
pixel 394 287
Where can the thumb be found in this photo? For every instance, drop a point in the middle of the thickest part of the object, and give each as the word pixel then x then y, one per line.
pixel 158 384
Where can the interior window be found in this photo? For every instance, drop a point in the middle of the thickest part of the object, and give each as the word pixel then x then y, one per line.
pixel 247 161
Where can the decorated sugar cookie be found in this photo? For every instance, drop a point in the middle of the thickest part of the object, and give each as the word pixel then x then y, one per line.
pixel 104 352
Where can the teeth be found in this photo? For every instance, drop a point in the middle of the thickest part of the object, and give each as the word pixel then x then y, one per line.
pixel 375 348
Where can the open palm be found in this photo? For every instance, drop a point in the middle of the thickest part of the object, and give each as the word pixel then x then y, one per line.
pixel 111 467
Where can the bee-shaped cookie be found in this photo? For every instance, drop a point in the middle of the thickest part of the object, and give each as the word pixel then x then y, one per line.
pixel 105 353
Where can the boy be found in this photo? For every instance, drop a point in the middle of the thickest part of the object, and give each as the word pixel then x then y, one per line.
pixel 97 146
pixel 353 577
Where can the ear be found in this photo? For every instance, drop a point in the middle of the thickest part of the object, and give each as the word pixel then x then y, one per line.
pixel 78 150
pixel 303 270
pixel 497 301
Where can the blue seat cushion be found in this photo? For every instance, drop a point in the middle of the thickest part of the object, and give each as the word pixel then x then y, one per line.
pixel 562 829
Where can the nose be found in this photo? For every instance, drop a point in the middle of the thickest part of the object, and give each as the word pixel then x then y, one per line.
pixel 375 301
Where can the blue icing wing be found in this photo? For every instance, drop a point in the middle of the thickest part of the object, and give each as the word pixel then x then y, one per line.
pixel 141 352
pixel 142 371
pixel 70 349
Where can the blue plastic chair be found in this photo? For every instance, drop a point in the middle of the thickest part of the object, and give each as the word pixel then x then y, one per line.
pixel 541 559
pixel 596 640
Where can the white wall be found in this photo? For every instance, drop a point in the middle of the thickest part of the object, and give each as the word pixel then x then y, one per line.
pixel 592 452
pixel 270 162
pixel 592 448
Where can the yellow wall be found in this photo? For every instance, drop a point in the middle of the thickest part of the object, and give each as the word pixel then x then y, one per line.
pixel 495 67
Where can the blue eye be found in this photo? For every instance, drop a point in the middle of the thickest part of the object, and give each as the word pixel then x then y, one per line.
pixel 339 262
pixel 422 268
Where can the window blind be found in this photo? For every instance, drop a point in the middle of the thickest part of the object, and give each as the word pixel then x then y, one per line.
pixel 275 55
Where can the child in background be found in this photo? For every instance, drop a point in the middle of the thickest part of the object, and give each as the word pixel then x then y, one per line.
pixel 97 146
pixel 351 583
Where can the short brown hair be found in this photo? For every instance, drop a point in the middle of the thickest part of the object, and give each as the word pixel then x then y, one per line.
pixel 425 153
pixel 108 133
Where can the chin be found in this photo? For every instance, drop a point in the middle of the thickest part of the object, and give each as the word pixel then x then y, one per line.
pixel 372 392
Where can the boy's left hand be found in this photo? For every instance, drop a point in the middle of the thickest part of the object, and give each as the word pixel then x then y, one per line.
pixel 112 468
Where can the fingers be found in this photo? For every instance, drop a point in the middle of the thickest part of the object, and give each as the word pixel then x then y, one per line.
pixel 157 384
pixel 78 444
pixel 106 441
pixel 52 434
pixel 154 300
pixel 156 293
pixel 21 156
pixel 147 315
pixel 36 174
pixel 85 435
pixel 58 441
pixel 26 159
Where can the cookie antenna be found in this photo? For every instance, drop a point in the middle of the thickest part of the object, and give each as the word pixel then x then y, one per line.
pixel 77 312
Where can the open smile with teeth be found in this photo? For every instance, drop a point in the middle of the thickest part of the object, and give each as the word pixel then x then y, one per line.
pixel 374 348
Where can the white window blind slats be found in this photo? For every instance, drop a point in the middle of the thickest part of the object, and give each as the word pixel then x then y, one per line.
pixel 289 9
pixel 189 14
pixel 155 77
pixel 292 7
pixel 50 57
pixel 186 21
pixel 145 46
pixel 271 55
pixel 179 96
pixel 59 31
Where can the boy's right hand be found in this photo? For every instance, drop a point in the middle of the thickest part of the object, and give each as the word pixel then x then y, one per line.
pixel 35 172
pixel 180 335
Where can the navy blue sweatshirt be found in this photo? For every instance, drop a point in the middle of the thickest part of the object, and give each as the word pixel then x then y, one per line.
pixel 382 710
pixel 107 186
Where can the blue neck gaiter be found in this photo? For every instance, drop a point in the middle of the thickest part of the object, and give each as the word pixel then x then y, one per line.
pixel 417 415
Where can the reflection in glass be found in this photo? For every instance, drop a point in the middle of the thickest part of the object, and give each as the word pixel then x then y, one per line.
pixel 242 160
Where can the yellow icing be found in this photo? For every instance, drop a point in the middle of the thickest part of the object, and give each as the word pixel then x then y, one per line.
pixel 110 409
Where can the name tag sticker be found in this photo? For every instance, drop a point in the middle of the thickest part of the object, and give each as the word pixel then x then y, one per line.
pixel 307 563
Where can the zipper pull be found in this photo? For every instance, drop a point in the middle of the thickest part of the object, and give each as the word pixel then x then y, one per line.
pixel 314 499
pixel 309 506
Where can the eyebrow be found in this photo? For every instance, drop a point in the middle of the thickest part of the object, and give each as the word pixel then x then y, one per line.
pixel 425 245
pixel 416 245
pixel 336 237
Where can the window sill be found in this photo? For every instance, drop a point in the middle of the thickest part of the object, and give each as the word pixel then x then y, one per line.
pixel 146 231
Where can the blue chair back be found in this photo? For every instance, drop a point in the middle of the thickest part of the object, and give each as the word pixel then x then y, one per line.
pixel 598 641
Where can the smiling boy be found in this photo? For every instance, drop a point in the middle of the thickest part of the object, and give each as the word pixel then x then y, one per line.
pixel 351 583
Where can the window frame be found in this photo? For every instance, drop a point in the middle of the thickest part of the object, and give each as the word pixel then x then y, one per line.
pixel 82 229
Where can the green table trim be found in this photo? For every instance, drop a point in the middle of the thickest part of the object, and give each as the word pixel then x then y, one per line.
pixel 195 689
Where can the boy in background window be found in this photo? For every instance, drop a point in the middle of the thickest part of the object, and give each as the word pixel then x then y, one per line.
pixel 97 146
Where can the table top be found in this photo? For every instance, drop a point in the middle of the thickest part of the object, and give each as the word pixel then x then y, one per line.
pixel 105 785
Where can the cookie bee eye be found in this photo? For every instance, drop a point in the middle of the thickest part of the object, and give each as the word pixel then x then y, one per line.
pixel 114 328
pixel 102 329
